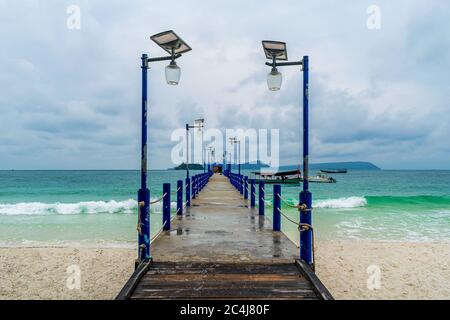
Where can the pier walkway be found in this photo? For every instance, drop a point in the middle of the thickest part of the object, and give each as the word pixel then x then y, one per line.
pixel 220 248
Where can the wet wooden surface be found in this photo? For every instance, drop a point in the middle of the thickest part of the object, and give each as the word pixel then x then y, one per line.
pixel 222 249
pixel 223 281
pixel 220 227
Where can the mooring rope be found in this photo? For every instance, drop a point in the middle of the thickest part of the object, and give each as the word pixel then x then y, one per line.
pixel 159 232
pixel 286 202
pixel 302 227
pixel 160 199
pixel 294 222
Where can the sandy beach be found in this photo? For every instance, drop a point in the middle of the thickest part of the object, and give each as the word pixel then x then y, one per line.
pixel 406 271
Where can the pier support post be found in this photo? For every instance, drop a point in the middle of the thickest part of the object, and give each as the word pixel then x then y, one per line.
pixel 276 207
pixel 241 184
pixel 194 181
pixel 180 197
pixel 245 187
pixel 166 206
pixel 306 232
pixel 261 198
pixel 144 192
pixel 188 192
pixel 252 193
pixel 306 236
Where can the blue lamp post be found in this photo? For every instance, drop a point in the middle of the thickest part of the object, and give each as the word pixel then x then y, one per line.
pixel 235 140
pixel 175 46
pixel 199 124
pixel 274 51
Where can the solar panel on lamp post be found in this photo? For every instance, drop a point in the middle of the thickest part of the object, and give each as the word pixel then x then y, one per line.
pixel 274 51
pixel 175 46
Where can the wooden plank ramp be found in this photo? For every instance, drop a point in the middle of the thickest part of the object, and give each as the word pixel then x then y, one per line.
pixel 222 249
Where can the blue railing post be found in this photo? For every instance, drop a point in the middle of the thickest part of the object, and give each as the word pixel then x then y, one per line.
pixel 252 193
pixel 144 192
pixel 241 184
pixel 261 198
pixel 276 207
pixel 193 186
pixel 166 206
pixel 306 196
pixel 188 192
pixel 245 187
pixel 179 197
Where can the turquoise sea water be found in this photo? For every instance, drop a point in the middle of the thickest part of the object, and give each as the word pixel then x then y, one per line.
pixel 99 207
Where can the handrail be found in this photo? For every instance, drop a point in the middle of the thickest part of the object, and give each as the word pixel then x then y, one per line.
pixel 159 232
pixel 159 200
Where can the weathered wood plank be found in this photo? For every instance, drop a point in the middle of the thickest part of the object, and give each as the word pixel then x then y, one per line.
pixel 221 249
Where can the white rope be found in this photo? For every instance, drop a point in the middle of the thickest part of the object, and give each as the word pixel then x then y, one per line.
pixel 159 232
pixel 294 222
pixel 156 201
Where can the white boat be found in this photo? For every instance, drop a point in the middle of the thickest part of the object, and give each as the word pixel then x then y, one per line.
pixel 321 178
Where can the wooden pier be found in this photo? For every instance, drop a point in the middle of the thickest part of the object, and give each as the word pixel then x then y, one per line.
pixel 220 248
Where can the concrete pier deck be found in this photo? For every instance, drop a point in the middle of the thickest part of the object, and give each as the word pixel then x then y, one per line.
pixel 220 227
pixel 222 249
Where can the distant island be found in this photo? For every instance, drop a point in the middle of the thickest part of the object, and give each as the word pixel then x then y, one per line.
pixel 192 166
pixel 250 166
pixel 352 165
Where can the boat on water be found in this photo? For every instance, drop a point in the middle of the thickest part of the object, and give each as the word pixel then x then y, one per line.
pixel 290 177
pixel 333 170
pixel 322 178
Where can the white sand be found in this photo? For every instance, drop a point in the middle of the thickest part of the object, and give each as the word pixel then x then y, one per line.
pixel 40 273
pixel 408 271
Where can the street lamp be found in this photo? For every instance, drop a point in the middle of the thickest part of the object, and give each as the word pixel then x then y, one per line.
pixel 235 140
pixel 210 153
pixel 276 50
pixel 198 124
pixel 173 44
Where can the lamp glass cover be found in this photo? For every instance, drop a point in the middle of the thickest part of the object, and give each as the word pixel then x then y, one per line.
pixel 274 80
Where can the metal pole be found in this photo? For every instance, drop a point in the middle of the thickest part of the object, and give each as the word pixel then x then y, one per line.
pixel 187 150
pixel 144 192
pixel 194 186
pixel 239 156
pixel 276 207
pixel 203 154
pixel 179 197
pixel 245 187
pixel 305 195
pixel 166 206
pixel 261 198
pixel 252 193
pixel 188 192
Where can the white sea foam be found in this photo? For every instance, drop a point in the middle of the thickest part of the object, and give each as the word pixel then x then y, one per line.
pixel 86 207
pixel 350 202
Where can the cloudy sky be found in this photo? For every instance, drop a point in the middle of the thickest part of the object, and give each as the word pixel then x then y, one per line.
pixel 70 98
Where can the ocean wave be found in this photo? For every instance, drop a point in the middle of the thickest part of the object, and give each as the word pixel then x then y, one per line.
pixel 86 207
pixel 350 202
